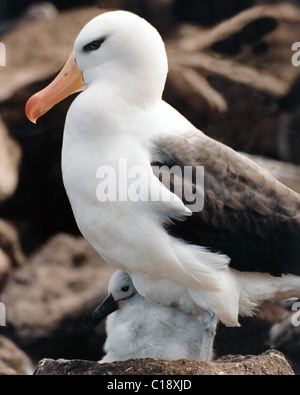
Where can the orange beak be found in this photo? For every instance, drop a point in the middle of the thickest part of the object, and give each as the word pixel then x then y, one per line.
pixel 68 81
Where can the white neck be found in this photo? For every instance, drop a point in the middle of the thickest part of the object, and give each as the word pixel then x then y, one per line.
pixel 143 86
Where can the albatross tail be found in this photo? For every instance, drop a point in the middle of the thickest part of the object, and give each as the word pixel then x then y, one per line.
pixel 242 294
pixel 256 288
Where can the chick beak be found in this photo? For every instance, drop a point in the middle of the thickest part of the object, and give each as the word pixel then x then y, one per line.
pixel 107 307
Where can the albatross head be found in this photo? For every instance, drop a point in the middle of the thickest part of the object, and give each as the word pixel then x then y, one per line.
pixel 121 289
pixel 118 50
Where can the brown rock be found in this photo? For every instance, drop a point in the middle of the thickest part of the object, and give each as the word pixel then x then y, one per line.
pixel 270 363
pixel 285 334
pixel 216 72
pixel 43 47
pixel 49 298
pixel 10 155
pixel 10 243
pixel 13 361
pixel 5 267
pixel 11 254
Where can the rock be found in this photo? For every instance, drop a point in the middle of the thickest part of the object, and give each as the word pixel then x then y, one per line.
pixel 285 335
pixel 49 299
pixel 13 361
pixel 10 155
pixel 9 11
pixel 199 11
pixel 40 207
pixel 11 254
pixel 5 267
pixel 270 363
pixel 41 11
pixel 43 47
pixel 213 87
pixel 276 326
pixel 158 12
pixel 10 243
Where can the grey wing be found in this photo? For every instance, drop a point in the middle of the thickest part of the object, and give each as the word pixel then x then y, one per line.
pixel 247 214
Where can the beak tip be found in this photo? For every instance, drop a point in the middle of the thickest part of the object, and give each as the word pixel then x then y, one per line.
pixel 68 81
pixel 30 110
pixel 32 120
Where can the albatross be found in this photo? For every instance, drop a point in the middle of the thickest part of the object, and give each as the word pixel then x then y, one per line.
pixel 240 248
pixel 139 328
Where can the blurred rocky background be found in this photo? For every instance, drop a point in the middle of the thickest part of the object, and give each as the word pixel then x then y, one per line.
pixel 231 74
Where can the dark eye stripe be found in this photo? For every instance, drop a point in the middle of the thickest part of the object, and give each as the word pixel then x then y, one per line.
pixel 94 45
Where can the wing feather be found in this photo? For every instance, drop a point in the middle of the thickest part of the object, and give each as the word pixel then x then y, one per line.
pixel 247 215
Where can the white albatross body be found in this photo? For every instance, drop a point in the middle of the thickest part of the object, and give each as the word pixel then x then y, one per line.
pixel 121 114
pixel 129 235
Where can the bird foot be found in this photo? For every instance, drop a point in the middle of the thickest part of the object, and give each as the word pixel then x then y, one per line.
pixel 209 325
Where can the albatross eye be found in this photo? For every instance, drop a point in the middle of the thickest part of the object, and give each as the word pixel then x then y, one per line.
pixel 94 45
pixel 125 289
